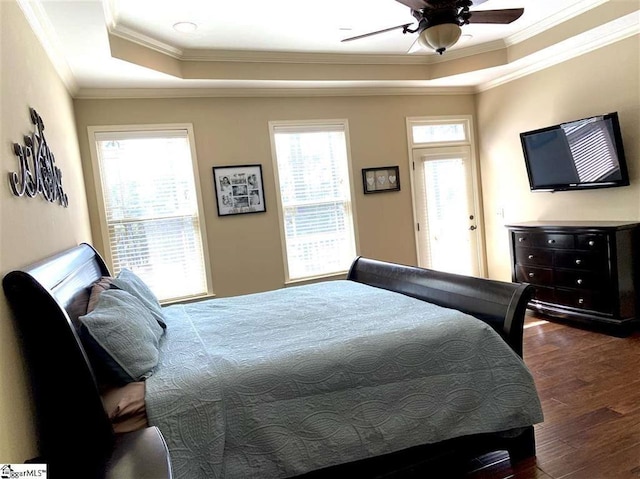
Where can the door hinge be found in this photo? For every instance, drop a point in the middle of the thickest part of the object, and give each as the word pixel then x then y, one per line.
pixel 418 225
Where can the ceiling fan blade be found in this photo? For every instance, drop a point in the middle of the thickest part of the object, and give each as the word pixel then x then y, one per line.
pixel 414 4
pixel 496 16
pixel 364 35
pixel 420 4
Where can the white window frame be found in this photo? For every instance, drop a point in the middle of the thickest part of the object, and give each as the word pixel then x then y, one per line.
pixel 465 120
pixel 104 229
pixel 311 125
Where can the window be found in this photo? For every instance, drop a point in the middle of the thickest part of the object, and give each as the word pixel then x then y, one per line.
pixel 434 131
pixel 316 214
pixel 150 207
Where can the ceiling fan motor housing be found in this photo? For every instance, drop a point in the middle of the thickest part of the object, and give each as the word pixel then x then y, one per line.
pixel 438 12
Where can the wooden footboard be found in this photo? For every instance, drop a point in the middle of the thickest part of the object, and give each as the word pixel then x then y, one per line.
pixel 501 305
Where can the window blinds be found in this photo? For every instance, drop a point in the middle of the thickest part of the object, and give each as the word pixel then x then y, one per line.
pixel 151 209
pixel 315 197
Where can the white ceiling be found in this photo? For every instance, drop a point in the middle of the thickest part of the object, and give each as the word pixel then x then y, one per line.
pixel 78 36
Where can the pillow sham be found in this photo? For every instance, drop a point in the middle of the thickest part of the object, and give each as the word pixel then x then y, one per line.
pixel 128 281
pixel 122 337
pixel 99 287
pixel 125 407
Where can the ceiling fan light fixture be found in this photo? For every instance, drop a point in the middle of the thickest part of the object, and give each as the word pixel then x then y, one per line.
pixel 440 37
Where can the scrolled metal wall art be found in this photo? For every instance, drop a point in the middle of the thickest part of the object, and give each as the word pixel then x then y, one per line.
pixel 37 170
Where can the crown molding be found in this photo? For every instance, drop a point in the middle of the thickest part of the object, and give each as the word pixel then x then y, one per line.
pixel 41 26
pixel 553 20
pixel 155 93
pixel 131 35
pixel 608 34
pixel 253 56
pixel 110 9
pixel 111 16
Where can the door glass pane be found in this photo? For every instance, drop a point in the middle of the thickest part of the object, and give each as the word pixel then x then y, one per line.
pixel 447 215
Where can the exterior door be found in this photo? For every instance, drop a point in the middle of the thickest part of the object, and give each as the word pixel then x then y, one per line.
pixel 444 200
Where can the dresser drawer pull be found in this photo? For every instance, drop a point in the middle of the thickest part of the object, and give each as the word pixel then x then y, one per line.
pixel 522 240
pixel 592 243
pixel 530 256
pixel 579 281
pixel 531 275
pixel 551 241
pixel 578 261
pixel 581 301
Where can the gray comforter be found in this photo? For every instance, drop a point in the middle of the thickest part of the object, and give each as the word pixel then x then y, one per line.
pixel 276 384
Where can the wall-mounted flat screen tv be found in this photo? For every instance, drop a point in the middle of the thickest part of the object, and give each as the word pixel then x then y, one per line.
pixel 581 154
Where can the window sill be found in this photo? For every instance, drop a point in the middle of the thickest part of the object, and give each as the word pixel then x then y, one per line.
pixel 315 279
pixel 190 299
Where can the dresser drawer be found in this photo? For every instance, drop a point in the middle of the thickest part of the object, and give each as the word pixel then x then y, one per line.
pixel 544 240
pixel 545 294
pixel 582 280
pixel 528 274
pixel 534 256
pixel 592 242
pixel 581 260
pixel 552 240
pixel 583 300
pixel 523 239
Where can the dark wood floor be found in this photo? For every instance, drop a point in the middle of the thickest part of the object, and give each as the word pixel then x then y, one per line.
pixel 589 385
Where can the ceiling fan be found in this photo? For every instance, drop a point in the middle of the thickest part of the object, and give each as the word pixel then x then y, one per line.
pixel 439 21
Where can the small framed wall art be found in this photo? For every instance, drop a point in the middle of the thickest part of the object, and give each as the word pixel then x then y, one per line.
pixel 379 180
pixel 239 189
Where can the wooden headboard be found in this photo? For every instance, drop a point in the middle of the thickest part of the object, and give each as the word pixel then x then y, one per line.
pixel 74 430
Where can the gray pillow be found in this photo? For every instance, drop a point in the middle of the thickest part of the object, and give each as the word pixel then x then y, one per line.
pixel 122 336
pixel 128 281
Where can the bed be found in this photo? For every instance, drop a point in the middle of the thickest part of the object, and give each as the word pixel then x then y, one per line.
pixel 310 397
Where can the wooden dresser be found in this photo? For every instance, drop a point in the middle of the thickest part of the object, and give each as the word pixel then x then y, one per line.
pixel 582 271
